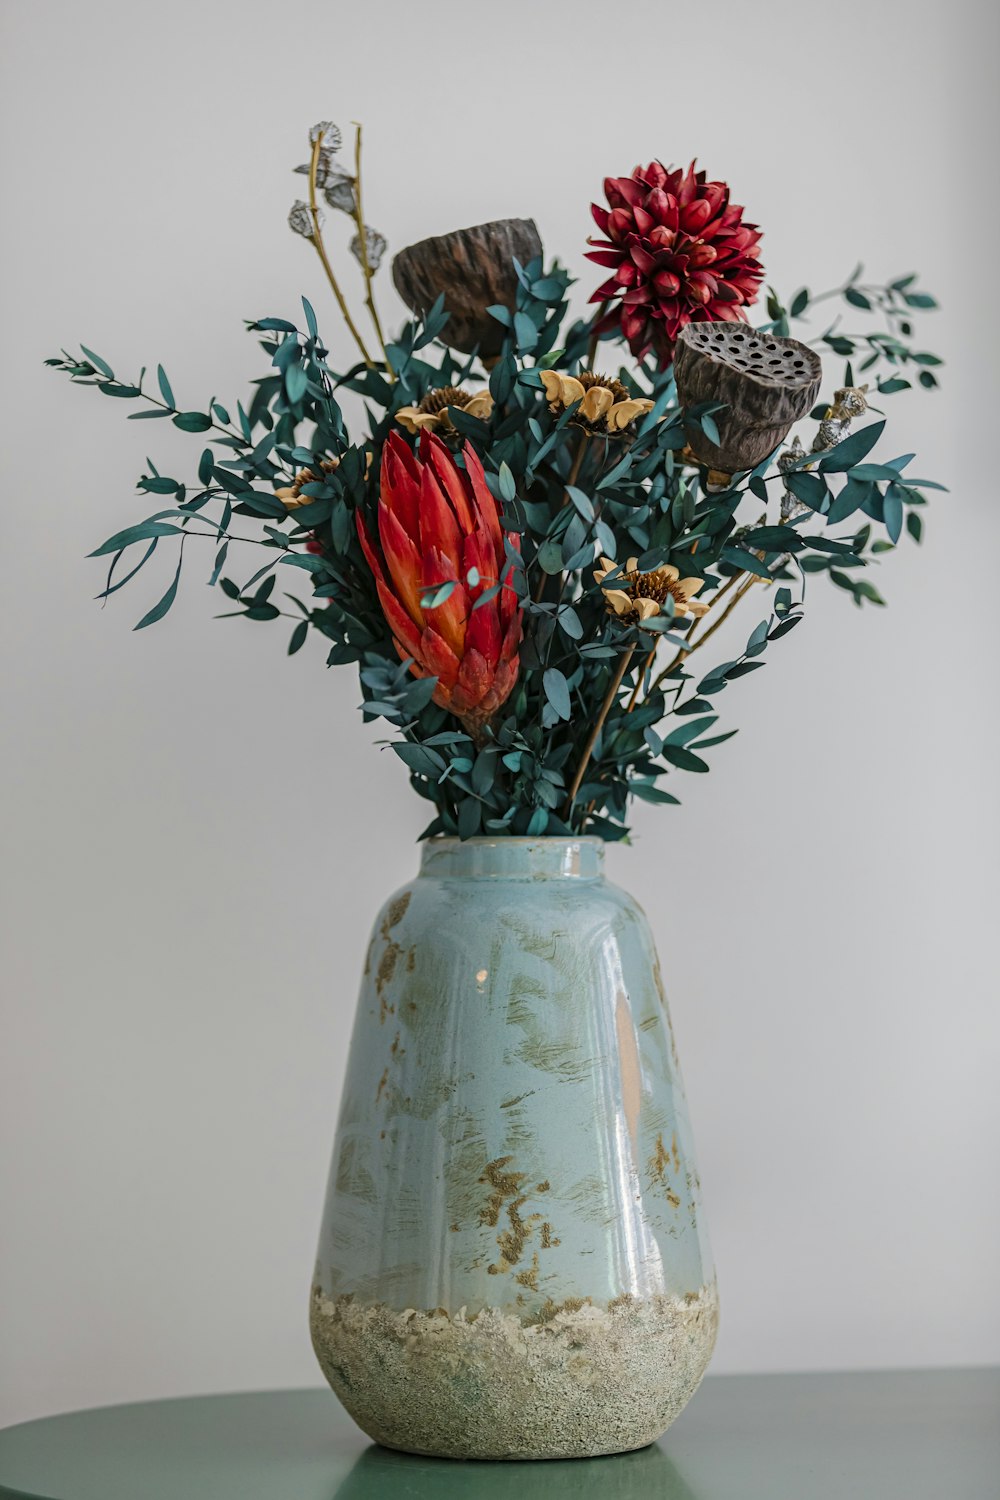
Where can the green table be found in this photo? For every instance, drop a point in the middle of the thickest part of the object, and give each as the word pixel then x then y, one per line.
pixel 931 1435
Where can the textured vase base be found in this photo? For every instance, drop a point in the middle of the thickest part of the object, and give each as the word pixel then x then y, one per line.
pixel 580 1381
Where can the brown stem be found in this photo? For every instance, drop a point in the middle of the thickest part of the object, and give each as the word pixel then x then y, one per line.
pixel 363 239
pixel 609 698
pixel 594 339
pixel 740 592
pixel 574 474
pixel 317 239
pixel 639 680
pixel 721 620
pixel 647 664
pixel 685 652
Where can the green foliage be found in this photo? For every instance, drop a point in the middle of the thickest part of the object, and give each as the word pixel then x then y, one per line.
pixel 639 689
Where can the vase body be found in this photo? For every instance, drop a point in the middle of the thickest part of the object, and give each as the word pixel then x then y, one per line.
pixel 512 1261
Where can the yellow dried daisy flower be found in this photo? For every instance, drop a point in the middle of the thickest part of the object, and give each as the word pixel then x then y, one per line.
pixel 637 596
pixel 291 495
pixel 605 403
pixel 432 411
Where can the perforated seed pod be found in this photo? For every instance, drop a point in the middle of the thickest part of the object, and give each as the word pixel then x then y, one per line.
pixel 474 269
pixel 766 382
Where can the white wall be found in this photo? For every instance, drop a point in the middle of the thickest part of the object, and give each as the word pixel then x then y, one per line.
pixel 198 832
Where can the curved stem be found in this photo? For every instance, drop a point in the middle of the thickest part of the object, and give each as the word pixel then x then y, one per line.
pixel 572 477
pixel 594 338
pixel 363 241
pixel 744 588
pixel 647 665
pixel 609 698
pixel 317 240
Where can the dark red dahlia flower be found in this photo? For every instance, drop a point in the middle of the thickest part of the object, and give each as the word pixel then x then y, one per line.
pixel 681 254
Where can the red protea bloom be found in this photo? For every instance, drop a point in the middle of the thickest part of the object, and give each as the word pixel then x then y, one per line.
pixel 440 524
pixel 681 254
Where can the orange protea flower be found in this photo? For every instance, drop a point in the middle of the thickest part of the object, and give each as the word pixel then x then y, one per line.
pixel 440 525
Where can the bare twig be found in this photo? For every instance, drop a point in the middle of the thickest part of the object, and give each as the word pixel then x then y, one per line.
pixel 317 240
pixel 721 619
pixel 609 698
pixel 363 239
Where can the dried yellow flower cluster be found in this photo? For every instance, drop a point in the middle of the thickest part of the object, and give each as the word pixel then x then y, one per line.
pixel 291 495
pixel 604 401
pixel 432 412
pixel 639 596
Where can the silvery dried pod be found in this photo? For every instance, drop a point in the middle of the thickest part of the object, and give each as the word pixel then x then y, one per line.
pixel 767 383
pixel 327 170
pixel 300 219
pixel 375 248
pixel 338 190
pixel 474 270
pixel 328 133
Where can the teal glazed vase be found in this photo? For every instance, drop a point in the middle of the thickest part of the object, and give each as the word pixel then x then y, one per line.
pixel 513 1261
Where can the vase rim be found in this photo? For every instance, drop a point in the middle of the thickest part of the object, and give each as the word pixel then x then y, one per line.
pixel 552 856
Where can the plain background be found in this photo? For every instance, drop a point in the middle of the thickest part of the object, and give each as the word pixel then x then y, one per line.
pixel 198 832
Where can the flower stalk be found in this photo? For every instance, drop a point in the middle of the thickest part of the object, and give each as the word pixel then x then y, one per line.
pixel 588 749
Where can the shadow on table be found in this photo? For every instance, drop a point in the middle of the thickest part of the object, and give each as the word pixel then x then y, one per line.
pixel 625 1476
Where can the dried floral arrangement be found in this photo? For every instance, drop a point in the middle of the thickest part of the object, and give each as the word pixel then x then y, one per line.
pixel 525 557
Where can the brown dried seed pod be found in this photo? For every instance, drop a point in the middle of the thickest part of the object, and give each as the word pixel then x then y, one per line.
pixel 767 383
pixel 474 269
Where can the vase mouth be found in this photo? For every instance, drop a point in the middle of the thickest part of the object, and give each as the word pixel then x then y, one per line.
pixel 508 858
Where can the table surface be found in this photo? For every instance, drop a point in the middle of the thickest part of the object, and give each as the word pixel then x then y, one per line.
pixel 926 1435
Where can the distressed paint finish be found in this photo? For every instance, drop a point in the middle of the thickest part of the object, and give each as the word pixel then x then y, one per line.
pixel 513 1134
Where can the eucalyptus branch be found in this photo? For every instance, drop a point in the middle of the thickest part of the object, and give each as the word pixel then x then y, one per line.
pixel 317 240
pixel 228 536
pixel 648 663
pixel 139 394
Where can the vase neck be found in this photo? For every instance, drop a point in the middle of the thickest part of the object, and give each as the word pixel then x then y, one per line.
pixel 513 859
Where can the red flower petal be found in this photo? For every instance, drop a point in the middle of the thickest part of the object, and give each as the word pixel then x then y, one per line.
pixel 483 632
pixel 399 622
pixel 449 617
pixel 474 681
pixel 666 228
pixel 438 527
pixel 485 501
pixel 403 561
pixel 439 659
pixel 448 477
pixel 600 216
pixel 400 484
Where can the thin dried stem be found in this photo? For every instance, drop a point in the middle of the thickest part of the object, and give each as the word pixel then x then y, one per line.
pixel 647 664
pixel 609 698
pixel 363 239
pixel 574 474
pixel 317 240
pixel 594 338
pixel 744 589
pixel 682 655
pixel 686 651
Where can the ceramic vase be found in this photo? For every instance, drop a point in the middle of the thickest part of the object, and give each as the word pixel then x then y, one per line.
pixel 513 1261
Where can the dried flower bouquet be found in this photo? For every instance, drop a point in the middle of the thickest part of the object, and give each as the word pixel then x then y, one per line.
pixel 524 556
